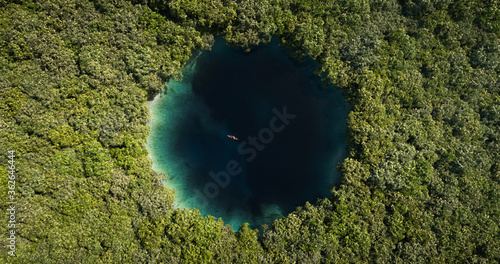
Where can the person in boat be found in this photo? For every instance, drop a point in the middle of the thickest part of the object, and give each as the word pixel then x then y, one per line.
pixel 232 137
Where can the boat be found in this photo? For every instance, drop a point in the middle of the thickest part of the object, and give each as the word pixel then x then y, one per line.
pixel 232 137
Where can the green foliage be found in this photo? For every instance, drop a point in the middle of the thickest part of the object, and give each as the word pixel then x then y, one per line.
pixel 421 183
pixel 12 101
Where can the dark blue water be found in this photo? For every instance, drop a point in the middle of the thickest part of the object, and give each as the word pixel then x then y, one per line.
pixel 289 129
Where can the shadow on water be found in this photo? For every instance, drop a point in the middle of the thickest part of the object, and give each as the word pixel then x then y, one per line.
pixel 290 130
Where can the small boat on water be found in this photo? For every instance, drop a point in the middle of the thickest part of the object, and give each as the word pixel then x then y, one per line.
pixel 232 137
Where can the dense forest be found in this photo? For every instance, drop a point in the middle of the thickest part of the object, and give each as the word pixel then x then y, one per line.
pixel 421 182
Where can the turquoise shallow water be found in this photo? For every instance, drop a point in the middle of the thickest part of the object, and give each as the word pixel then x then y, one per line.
pixel 289 130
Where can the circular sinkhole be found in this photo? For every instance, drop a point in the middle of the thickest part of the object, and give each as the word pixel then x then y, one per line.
pixel 248 136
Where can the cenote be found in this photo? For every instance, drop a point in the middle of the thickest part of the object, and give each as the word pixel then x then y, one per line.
pixel 248 137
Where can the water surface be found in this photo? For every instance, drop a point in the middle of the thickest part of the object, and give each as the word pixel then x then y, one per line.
pixel 289 130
